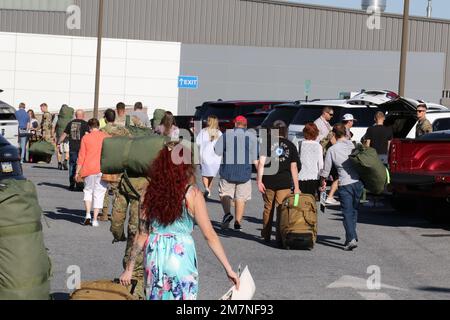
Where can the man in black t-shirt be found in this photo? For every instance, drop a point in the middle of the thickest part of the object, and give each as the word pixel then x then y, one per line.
pixel 276 186
pixel 379 137
pixel 75 131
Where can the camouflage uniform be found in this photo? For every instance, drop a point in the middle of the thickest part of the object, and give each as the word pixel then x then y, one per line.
pixel 423 127
pixel 124 198
pixel 46 127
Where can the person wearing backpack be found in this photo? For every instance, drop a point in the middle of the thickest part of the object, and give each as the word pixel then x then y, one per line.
pixel 171 208
pixel 350 186
pixel 276 186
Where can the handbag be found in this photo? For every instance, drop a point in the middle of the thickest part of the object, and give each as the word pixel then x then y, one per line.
pixel 246 290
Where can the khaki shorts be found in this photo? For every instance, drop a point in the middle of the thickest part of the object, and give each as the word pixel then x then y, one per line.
pixel 64 147
pixel 236 191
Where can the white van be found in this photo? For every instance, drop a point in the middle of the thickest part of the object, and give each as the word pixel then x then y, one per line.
pixel 9 126
pixel 311 111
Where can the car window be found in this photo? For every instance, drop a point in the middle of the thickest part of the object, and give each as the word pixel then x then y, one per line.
pixel 254 120
pixel 220 111
pixel 283 114
pixel 7 113
pixel 312 113
pixel 364 116
pixel 441 124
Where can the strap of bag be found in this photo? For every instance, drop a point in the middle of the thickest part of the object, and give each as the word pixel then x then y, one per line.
pixel 299 155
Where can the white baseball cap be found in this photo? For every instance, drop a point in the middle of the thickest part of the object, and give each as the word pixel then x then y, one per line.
pixel 348 117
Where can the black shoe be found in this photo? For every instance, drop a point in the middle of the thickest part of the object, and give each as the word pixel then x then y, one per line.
pixel 65 167
pixel 87 222
pixel 72 187
pixel 226 221
pixel 59 166
pixel 237 226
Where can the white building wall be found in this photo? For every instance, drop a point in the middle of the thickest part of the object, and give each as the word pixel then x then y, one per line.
pixel 38 68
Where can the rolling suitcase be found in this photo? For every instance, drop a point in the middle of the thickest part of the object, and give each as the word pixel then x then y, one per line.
pixel 298 222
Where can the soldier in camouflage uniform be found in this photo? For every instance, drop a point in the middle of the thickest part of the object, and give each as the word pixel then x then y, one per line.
pixel 423 125
pixel 47 127
pixel 125 199
pixel 46 124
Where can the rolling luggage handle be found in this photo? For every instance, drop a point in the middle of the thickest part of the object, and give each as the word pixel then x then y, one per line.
pixel 133 284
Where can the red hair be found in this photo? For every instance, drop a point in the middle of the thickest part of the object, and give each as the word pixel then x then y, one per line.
pixel 165 193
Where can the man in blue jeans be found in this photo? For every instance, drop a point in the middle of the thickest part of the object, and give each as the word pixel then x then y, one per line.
pixel 24 126
pixel 75 131
pixel 350 187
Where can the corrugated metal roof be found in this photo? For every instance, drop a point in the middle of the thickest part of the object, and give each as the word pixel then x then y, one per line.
pixel 264 23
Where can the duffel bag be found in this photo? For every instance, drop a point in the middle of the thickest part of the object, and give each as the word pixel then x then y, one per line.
pixel 298 222
pixel 42 148
pixel 103 290
pixel 64 117
pixel 25 266
pixel 131 154
pixel 371 170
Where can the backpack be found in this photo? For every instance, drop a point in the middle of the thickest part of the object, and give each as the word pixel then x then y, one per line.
pixel 65 116
pixel 136 131
pixel 298 222
pixel 103 290
pixel 25 266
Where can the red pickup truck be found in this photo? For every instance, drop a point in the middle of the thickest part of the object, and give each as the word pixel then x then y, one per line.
pixel 420 173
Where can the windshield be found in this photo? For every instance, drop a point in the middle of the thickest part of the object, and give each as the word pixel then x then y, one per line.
pixel 7 113
pixel 284 114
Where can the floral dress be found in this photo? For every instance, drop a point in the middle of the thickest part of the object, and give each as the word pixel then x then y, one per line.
pixel 170 261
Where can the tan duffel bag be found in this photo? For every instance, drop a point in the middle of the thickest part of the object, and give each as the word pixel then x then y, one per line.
pixel 111 178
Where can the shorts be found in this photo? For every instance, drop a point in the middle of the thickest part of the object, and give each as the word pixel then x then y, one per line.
pixel 64 147
pixel 236 191
pixel 94 190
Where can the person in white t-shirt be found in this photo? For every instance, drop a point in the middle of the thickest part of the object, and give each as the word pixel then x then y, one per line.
pixel 311 159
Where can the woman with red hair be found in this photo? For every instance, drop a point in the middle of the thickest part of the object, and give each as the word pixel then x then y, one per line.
pixel 170 207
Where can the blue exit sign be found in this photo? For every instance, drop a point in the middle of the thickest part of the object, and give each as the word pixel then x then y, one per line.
pixel 188 82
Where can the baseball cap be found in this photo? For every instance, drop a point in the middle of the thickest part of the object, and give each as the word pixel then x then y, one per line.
pixel 348 117
pixel 240 119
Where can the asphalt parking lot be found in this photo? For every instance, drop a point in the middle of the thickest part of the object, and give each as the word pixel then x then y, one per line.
pixel 410 253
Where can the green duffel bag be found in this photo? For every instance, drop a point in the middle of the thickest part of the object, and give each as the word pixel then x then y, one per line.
pixel 64 117
pixel 136 131
pixel 131 154
pixel 42 148
pixel 371 170
pixel 158 115
pixel 25 267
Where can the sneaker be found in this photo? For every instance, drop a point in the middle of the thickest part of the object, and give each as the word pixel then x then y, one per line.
pixel 351 245
pixel 59 166
pixel 95 224
pixel 226 221
pixel 65 167
pixel 332 201
pixel 237 226
pixel 206 194
pixel 87 221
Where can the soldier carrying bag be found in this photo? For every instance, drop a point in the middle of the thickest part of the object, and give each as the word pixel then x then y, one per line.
pixel 297 227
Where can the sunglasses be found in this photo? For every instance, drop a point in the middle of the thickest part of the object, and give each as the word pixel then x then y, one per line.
pixel 420 111
pixel 331 114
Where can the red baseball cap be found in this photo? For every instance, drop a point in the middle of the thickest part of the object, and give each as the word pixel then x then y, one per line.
pixel 240 119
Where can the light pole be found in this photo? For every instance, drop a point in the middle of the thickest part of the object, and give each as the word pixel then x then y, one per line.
pixel 405 47
pixel 99 57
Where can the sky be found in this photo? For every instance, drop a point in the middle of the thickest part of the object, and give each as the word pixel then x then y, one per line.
pixel 441 8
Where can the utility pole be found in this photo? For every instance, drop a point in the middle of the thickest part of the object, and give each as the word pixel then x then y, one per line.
pixel 405 47
pixel 99 57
